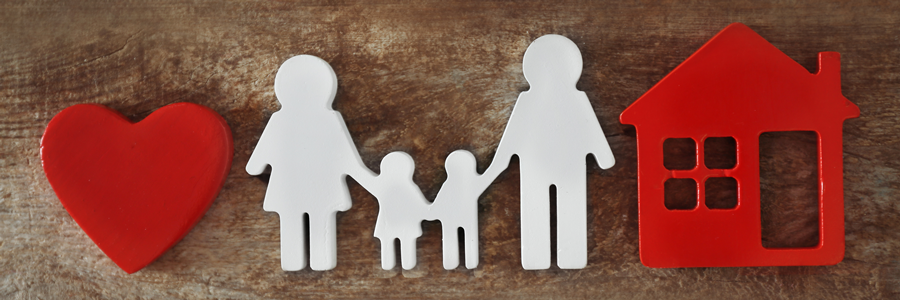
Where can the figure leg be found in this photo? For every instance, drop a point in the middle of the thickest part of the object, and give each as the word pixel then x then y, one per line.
pixel 571 219
pixel 451 246
pixel 323 241
pixel 293 242
pixel 387 253
pixel 471 238
pixel 535 220
pixel 408 253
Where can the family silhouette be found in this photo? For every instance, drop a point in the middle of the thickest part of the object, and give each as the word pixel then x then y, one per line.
pixel 552 129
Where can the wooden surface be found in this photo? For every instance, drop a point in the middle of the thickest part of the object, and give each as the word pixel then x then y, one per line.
pixel 426 78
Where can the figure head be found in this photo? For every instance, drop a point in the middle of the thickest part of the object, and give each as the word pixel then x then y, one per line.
pixel 552 59
pixel 397 164
pixel 460 162
pixel 305 80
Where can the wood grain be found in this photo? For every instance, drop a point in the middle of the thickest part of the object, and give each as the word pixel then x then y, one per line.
pixel 426 78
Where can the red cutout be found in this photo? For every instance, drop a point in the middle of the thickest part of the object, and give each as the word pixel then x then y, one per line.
pixel 737 85
pixel 136 188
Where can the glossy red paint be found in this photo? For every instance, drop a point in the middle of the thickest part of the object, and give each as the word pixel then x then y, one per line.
pixel 136 188
pixel 737 85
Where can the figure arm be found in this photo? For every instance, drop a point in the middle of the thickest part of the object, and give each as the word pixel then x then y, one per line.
pixel 509 143
pixel 419 195
pixel 499 164
pixel 434 210
pixel 484 181
pixel 353 164
pixel 262 154
pixel 596 140
pixel 365 177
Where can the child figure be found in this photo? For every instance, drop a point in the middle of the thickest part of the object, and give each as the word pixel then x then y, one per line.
pixel 401 208
pixel 456 206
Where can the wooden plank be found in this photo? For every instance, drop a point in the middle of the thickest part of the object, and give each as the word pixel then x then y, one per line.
pixel 425 78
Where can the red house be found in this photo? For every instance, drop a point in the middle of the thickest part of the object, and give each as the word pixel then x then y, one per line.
pixel 737 85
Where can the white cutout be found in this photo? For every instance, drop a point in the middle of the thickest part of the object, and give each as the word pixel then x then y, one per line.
pixel 311 153
pixel 552 128
pixel 401 208
pixel 456 206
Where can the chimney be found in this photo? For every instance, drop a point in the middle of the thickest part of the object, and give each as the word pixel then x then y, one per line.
pixel 830 69
pixel 829 75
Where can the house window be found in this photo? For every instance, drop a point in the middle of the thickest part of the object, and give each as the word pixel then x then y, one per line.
pixel 720 152
pixel 788 188
pixel 680 193
pixel 679 154
pixel 721 192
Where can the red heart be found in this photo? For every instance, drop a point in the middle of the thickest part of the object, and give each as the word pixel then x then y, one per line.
pixel 136 188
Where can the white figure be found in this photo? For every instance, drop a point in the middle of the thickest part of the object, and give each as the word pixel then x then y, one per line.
pixel 552 128
pixel 311 153
pixel 456 206
pixel 401 208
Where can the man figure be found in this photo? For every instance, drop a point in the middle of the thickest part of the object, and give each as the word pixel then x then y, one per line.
pixel 552 128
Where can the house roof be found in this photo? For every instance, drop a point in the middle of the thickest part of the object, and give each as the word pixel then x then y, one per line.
pixel 739 78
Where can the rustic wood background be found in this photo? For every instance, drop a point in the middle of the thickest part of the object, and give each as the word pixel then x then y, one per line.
pixel 426 78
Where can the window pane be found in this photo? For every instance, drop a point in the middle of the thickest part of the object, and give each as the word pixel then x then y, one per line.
pixel 721 193
pixel 720 152
pixel 681 193
pixel 679 154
